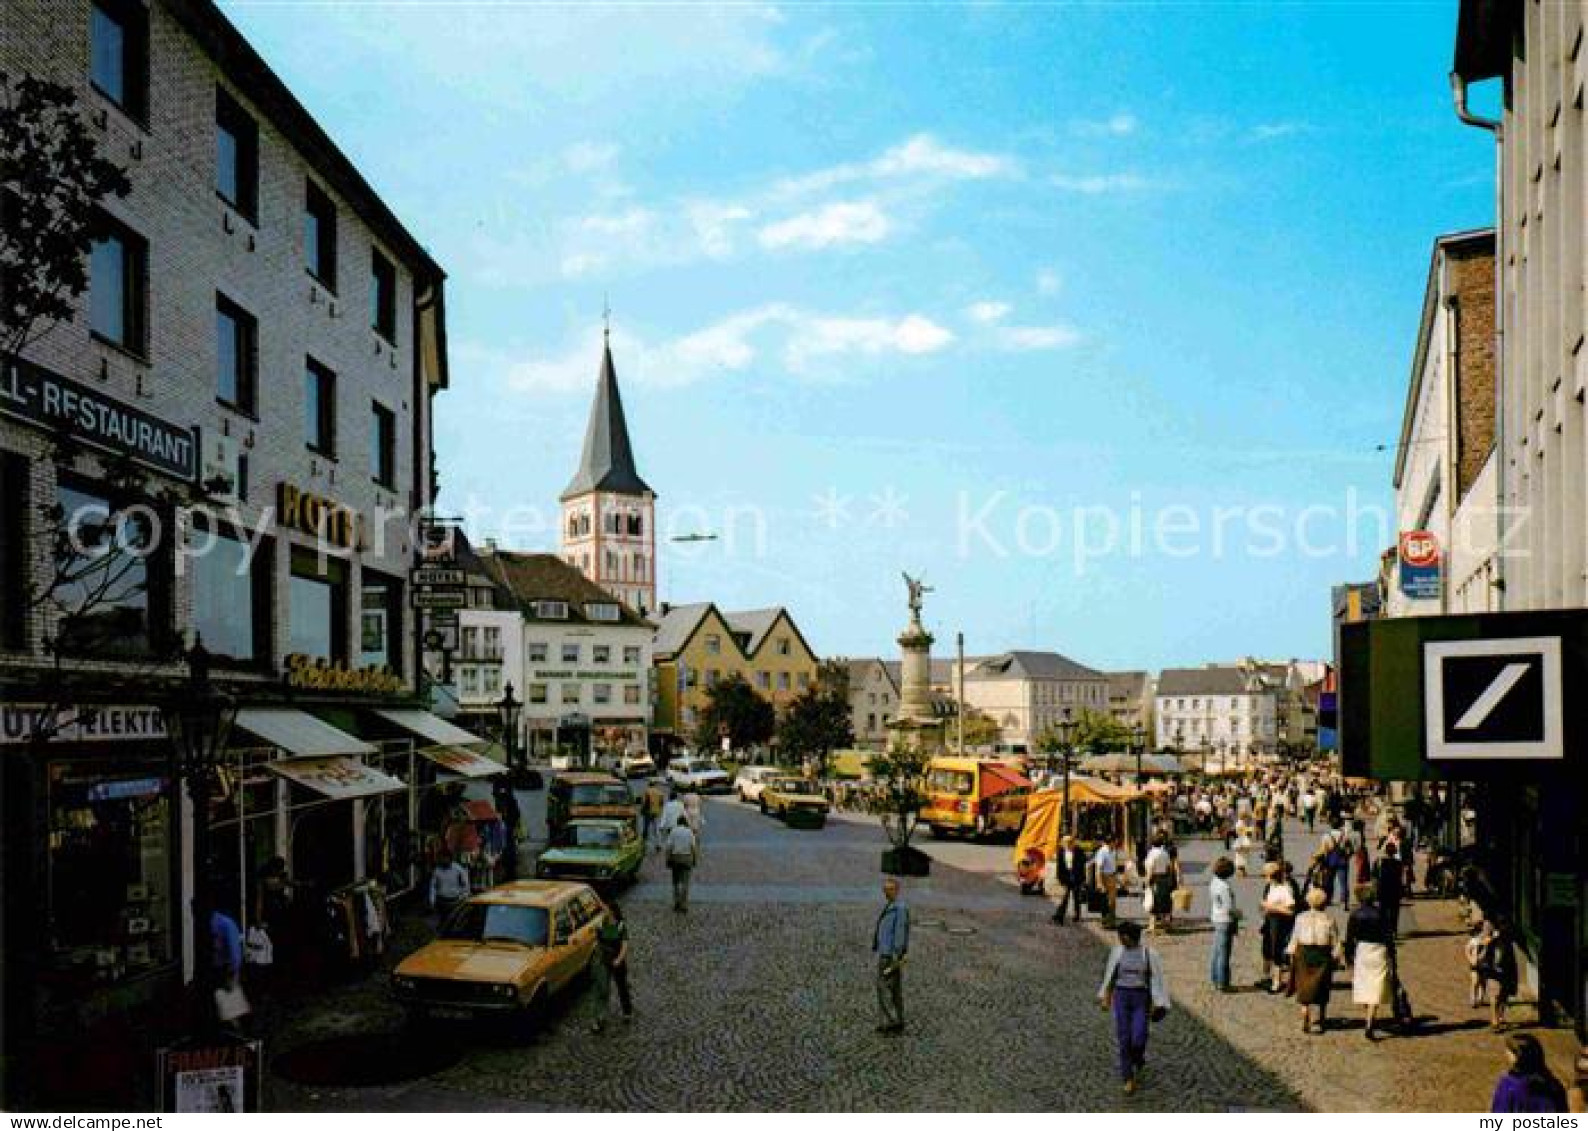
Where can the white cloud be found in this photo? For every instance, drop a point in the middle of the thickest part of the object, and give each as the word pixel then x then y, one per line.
pixel 715 226
pixel 987 311
pixel 634 222
pixel 1027 338
pixel 589 157
pixel 832 225
pixel 1269 131
pixel 919 157
pixel 1115 125
pixel 1098 184
pixel 779 337
pixel 1049 281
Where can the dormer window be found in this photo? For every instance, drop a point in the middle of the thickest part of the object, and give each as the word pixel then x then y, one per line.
pixel 602 610
pixel 551 610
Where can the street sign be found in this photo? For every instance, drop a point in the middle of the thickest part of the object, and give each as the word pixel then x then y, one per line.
pixel 1418 552
pixel 437 576
pixel 426 598
pixel 1498 698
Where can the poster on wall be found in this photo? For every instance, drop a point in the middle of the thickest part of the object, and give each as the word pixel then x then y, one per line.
pixel 218 1075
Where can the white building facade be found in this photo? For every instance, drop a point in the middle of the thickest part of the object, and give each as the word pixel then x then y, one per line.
pixel 1027 693
pixel 1227 713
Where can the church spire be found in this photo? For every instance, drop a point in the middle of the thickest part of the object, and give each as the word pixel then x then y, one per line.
pixel 607 462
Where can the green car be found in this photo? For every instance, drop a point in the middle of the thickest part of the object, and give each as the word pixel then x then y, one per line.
pixel 593 849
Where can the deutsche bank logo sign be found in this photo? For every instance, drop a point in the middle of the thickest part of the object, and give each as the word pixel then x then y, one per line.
pixel 1493 698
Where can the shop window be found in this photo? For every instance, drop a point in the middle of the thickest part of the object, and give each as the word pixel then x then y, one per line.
pixel 231 594
pixel 319 236
pixel 118 52
pixel 110 906
pixel 236 156
pixel 111 590
pixel 236 356
pixel 317 606
pixel 14 506
pixel 380 621
pixel 118 279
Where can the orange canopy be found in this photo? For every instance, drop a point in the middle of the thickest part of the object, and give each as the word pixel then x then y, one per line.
pixel 1045 811
pixel 998 779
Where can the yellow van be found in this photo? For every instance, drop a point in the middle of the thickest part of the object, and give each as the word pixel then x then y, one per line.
pixel 975 797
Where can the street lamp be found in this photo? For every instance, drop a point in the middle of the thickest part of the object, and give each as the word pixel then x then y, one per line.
pixel 1138 738
pixel 1066 730
pixel 508 709
pixel 198 720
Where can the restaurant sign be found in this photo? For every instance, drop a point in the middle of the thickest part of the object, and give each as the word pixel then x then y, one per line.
pixel 311 673
pixel 24 722
pixel 50 401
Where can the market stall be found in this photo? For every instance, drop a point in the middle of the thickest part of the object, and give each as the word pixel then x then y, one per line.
pixel 1098 809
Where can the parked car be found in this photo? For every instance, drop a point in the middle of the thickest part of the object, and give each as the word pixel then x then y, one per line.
pixel 587 794
pixel 595 850
pixel 698 775
pixel 752 779
pixel 637 764
pixel 503 953
pixel 798 801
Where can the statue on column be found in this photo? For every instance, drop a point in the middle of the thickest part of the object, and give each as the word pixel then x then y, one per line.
pixel 916 587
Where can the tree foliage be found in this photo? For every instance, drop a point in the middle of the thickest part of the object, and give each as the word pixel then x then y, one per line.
pixel 52 179
pixel 734 707
pixel 1093 731
pixel 817 721
pixel 900 774
pixel 981 729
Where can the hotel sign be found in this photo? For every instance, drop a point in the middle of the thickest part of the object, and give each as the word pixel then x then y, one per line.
pixel 55 403
pixel 317 515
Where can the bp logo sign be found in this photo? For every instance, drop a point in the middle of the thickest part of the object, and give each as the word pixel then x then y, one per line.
pixel 1493 698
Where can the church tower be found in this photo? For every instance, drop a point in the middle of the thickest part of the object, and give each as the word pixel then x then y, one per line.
pixel 608 511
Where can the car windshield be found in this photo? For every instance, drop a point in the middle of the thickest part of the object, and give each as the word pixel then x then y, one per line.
pixel 705 768
pixel 609 793
pixel 591 836
pixel 497 922
pixel 794 785
pixel 950 781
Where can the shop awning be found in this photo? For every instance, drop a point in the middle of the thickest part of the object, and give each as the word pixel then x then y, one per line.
pixel 434 730
pixel 340 778
pixel 461 760
pixel 299 733
pixel 998 779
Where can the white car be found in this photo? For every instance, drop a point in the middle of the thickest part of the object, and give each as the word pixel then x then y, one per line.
pixel 752 780
pixel 637 764
pixel 698 775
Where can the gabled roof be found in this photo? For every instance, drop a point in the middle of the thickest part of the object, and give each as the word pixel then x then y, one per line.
pixel 859 668
pixel 752 625
pixel 1214 679
pixel 747 630
pixel 1031 665
pixel 607 463
pixel 546 577
pixel 1126 685
pixel 676 625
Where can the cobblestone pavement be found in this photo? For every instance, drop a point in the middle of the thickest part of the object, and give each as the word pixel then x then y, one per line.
pixel 762 998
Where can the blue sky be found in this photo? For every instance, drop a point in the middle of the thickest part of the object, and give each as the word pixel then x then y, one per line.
pixel 945 289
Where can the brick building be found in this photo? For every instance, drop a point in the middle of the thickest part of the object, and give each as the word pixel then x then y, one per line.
pixel 258 348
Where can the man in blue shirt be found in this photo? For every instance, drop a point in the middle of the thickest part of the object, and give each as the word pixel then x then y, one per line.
pixel 891 941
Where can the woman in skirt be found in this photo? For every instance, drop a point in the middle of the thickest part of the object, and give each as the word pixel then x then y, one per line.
pixel 1314 946
pixel 1368 940
pixel 1280 904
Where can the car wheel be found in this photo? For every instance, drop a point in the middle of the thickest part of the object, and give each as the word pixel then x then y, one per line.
pixel 981 827
pixel 764 809
pixel 937 832
pixel 527 1021
pixel 744 798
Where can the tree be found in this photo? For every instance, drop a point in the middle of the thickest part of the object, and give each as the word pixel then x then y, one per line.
pixel 1100 732
pixel 816 722
pixel 900 775
pixel 980 729
pixel 737 709
pixel 52 180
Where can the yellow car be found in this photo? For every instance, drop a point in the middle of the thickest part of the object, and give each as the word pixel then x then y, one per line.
pixel 503 952
pixel 797 801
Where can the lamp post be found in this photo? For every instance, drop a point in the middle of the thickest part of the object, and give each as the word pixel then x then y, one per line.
pixel 508 709
pixel 198 720
pixel 1207 753
pixel 1066 730
pixel 1138 738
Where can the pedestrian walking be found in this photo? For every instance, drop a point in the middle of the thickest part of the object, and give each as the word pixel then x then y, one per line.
pixel 1527 1085
pixel 1226 918
pixel 1281 900
pixel 1069 872
pixel 1497 967
pixel 890 941
pixel 1105 872
pixel 651 802
pixel 1389 875
pixel 697 819
pixel 1135 990
pixel 1160 870
pixel 512 815
pixel 682 856
pixel 1314 949
pixel 1369 952
pixel 612 968
pixel 1336 849
pixel 449 885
